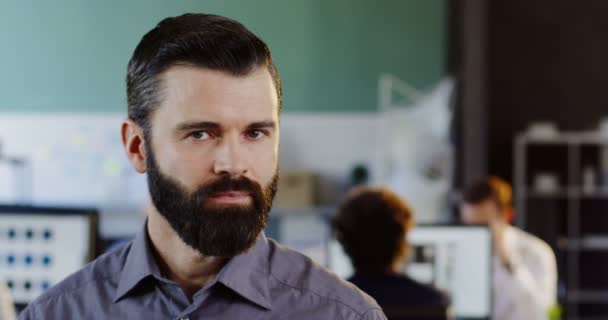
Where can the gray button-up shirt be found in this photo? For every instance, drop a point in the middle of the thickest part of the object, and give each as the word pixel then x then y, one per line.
pixel 267 282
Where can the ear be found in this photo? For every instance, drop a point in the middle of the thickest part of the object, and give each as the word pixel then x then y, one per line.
pixel 509 215
pixel 133 142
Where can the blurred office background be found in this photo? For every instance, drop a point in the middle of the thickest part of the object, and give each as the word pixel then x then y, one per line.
pixel 423 96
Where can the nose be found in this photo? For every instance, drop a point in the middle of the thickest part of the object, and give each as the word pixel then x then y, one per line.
pixel 229 158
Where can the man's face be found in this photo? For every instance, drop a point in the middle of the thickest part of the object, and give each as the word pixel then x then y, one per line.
pixel 480 213
pixel 212 156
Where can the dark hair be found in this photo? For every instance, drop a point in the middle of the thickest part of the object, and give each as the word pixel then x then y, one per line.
pixel 480 191
pixel 371 225
pixel 201 40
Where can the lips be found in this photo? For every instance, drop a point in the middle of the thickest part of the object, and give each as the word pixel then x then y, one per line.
pixel 231 194
pixel 232 197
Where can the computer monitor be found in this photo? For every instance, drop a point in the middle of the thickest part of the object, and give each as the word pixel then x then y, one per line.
pixel 41 246
pixel 456 259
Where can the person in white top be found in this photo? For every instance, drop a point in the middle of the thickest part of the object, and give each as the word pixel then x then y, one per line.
pixel 525 271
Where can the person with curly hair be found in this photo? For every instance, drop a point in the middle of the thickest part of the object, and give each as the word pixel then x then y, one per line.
pixel 372 226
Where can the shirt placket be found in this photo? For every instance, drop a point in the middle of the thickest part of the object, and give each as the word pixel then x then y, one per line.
pixel 199 299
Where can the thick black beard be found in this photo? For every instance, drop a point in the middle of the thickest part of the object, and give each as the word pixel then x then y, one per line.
pixel 223 231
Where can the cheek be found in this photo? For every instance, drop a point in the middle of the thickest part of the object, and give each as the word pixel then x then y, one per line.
pixel 265 158
pixel 473 217
pixel 188 167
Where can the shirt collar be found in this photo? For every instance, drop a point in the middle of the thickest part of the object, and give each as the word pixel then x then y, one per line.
pixel 139 265
pixel 510 237
pixel 246 274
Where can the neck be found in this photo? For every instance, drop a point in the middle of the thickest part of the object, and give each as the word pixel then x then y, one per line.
pixel 394 268
pixel 179 262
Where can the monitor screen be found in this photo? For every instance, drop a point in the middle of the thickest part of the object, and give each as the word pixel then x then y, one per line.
pixel 456 259
pixel 41 246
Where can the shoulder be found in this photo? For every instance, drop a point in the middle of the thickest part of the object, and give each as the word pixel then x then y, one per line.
pixel 532 246
pixel 400 290
pixel 530 240
pixel 99 275
pixel 296 272
pixel 430 293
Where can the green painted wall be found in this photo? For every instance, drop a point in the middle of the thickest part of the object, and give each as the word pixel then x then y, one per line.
pixel 71 55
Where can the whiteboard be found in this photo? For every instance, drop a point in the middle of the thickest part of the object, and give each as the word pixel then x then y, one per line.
pixel 73 159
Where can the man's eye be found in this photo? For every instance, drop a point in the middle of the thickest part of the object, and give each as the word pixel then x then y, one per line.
pixel 200 135
pixel 256 134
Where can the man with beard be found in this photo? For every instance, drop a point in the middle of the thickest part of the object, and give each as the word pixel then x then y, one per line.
pixel 203 101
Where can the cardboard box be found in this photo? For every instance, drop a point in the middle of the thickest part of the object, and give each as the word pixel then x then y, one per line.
pixel 297 189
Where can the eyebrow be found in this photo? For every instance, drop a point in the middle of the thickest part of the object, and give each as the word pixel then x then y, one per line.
pixel 198 125
pixel 268 124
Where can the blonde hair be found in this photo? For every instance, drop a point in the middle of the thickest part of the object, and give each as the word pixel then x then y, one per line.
pixel 503 190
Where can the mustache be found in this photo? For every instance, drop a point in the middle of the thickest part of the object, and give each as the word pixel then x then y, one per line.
pixel 226 184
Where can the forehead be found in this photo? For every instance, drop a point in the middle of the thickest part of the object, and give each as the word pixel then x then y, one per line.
pixel 483 206
pixel 194 93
